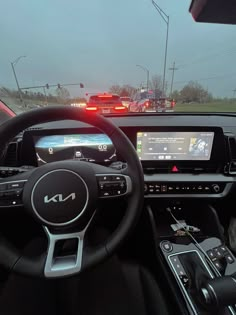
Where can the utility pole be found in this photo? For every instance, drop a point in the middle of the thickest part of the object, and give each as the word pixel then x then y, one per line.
pixel 44 90
pixel 15 76
pixel 234 91
pixel 166 19
pixel 173 69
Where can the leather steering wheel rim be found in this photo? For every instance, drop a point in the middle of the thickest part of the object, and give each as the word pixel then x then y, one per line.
pixel 9 255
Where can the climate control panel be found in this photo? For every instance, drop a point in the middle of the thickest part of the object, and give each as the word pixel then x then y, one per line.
pixel 177 188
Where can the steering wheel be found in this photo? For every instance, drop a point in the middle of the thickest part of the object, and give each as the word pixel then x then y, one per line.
pixel 63 197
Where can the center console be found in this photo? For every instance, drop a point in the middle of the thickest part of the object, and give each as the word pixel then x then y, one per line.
pixel 194 251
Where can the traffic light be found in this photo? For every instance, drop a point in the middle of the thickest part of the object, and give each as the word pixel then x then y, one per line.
pixel 81 85
pixel 47 86
pixel 59 85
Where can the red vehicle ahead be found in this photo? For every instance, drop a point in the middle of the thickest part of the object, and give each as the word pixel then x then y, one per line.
pixel 106 104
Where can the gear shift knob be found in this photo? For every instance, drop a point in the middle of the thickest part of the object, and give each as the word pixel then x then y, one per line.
pixel 219 291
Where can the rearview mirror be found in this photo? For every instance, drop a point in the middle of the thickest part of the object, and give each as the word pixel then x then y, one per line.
pixel 214 11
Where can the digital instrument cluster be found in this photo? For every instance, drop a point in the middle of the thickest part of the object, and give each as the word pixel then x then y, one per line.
pixel 86 147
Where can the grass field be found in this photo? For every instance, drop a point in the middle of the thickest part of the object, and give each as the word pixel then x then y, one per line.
pixel 207 107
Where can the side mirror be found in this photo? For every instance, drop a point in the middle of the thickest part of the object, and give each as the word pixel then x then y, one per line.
pixel 214 11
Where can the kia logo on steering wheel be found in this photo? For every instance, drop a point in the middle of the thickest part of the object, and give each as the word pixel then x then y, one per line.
pixel 59 198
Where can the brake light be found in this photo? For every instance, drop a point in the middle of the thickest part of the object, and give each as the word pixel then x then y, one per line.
pixel 120 108
pixel 172 103
pixel 147 103
pixel 91 109
pixel 105 96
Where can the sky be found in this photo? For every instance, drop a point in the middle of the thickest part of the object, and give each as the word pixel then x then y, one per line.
pixel 100 42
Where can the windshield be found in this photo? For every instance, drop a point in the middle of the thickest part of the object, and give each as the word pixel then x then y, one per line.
pixel 70 52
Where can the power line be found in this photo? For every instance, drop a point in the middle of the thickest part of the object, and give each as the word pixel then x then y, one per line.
pixel 209 78
pixel 207 57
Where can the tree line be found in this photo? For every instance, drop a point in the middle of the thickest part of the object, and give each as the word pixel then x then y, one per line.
pixel 191 92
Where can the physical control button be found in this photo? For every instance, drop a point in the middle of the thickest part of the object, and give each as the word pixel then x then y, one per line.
pixel 216 188
pixel 104 178
pixel 111 185
pixel 106 193
pixel 170 188
pixel 229 259
pixel 164 188
pixel 217 253
pixel 223 250
pixel 185 280
pixel 15 185
pixel 218 265
pixel 166 246
pixel 211 254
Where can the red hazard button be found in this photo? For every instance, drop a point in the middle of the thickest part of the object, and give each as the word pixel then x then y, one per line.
pixel 174 169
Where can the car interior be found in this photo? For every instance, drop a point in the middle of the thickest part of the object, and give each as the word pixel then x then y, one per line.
pixel 118 214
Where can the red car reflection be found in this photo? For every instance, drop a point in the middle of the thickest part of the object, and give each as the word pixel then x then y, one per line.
pixel 5 112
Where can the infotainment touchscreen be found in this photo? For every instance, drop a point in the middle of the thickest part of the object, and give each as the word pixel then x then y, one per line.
pixel 181 146
pixel 88 147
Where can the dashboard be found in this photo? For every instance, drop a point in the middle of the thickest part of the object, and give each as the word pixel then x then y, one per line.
pixel 182 156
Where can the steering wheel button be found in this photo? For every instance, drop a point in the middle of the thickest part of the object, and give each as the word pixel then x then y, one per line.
pixel 117 178
pixel 106 193
pixel 101 186
pixel 14 185
pixel 104 178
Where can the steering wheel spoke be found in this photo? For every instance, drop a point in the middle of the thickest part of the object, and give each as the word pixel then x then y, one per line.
pixel 11 190
pixel 62 261
pixel 65 252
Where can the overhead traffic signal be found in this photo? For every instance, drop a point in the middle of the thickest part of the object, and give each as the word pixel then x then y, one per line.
pixel 47 86
pixel 59 85
pixel 81 85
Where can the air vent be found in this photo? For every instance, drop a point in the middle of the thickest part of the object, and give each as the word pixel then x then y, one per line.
pixel 196 169
pixel 10 158
pixel 232 148
pixel 232 168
